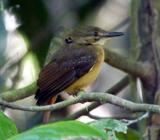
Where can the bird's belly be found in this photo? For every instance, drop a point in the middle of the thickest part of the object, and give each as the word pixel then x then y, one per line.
pixel 88 78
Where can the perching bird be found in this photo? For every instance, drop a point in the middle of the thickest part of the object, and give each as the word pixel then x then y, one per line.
pixel 74 66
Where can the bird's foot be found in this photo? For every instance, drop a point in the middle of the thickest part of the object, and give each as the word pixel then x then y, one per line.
pixel 74 93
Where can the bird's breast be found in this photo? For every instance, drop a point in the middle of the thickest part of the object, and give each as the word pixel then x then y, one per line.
pixel 91 76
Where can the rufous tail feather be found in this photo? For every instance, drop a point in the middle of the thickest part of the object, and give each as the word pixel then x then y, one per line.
pixel 46 115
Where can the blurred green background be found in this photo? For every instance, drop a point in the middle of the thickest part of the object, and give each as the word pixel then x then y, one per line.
pixel 27 28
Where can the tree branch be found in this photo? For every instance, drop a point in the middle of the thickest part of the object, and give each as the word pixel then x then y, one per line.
pixel 113 90
pixel 19 94
pixel 153 22
pixel 134 50
pixel 138 69
pixel 93 96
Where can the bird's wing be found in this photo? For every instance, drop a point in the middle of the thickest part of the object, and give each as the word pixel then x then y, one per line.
pixel 62 72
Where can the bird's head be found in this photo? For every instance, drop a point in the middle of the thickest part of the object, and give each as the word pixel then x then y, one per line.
pixel 90 35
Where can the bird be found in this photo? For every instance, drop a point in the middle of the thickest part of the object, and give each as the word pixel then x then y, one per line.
pixel 74 66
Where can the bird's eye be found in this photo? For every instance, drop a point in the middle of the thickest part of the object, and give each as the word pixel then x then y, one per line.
pixel 69 40
pixel 95 34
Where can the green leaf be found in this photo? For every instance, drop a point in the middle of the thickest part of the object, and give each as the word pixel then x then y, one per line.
pixel 7 127
pixel 112 135
pixel 131 135
pixel 111 124
pixel 68 130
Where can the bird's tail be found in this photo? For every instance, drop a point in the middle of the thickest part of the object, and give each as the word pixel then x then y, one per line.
pixel 46 115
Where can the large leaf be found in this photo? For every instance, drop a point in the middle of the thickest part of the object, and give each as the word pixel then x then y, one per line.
pixel 7 127
pixel 68 130
pixel 111 124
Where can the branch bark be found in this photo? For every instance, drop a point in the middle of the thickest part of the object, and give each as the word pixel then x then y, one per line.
pixel 138 69
pixel 93 96
pixel 19 94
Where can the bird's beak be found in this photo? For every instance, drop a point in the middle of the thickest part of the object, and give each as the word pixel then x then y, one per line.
pixel 112 34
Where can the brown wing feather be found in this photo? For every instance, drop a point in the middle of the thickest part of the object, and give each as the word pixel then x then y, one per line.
pixel 52 90
pixel 64 69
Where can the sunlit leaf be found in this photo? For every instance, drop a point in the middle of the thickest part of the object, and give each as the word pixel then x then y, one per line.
pixel 68 130
pixel 7 127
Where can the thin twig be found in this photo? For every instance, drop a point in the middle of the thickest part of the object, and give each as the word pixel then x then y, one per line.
pixel 144 116
pixel 119 116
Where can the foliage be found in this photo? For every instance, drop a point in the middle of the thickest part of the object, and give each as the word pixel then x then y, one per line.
pixel 106 129
pixel 62 130
pixel 7 127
